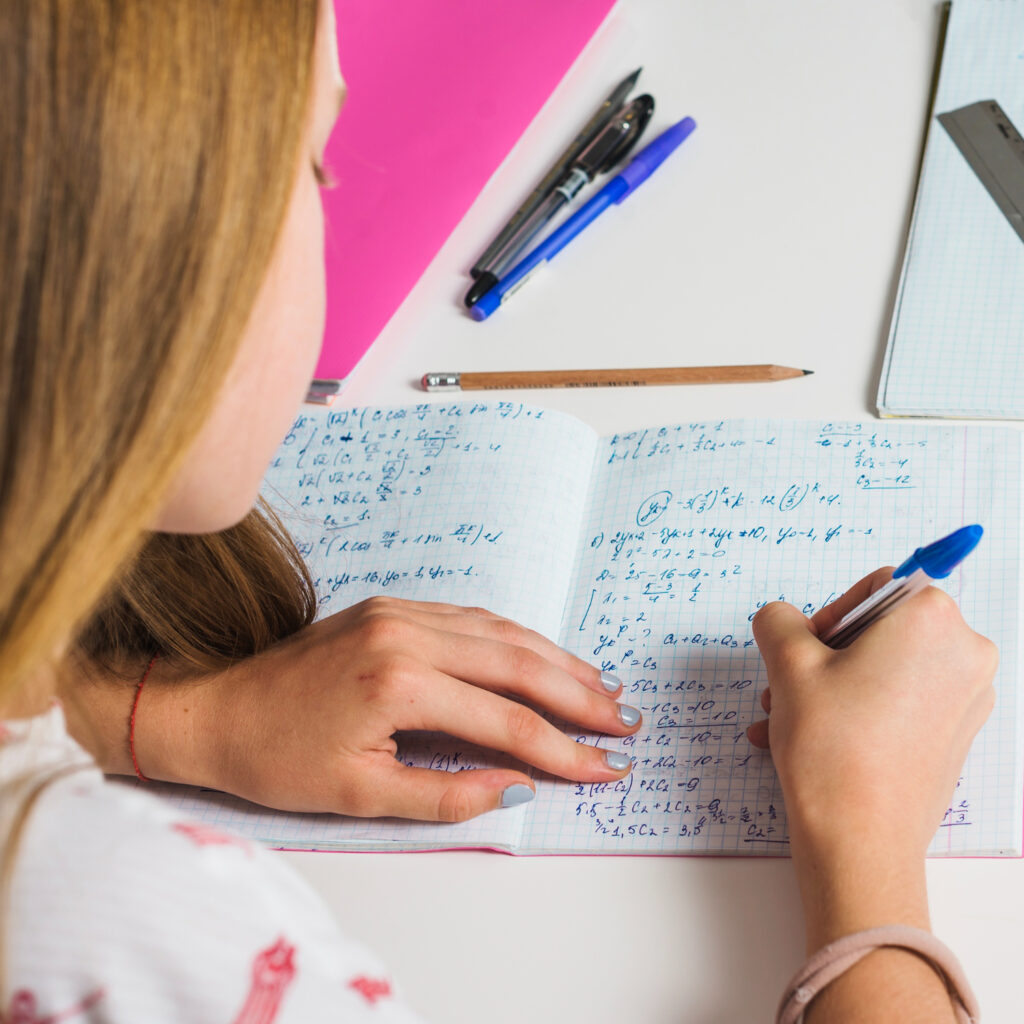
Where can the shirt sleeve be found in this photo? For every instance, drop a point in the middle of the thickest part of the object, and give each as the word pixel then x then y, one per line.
pixel 123 911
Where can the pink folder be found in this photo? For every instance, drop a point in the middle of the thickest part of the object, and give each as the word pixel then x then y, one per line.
pixel 439 91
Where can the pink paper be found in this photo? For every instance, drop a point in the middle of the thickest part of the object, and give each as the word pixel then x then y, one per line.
pixel 439 91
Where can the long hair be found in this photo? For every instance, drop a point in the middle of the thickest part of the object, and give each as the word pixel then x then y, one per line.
pixel 148 152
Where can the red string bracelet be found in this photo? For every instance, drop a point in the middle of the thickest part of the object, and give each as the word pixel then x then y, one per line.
pixel 131 721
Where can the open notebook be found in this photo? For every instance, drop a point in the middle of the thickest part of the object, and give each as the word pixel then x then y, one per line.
pixel 648 553
pixel 955 337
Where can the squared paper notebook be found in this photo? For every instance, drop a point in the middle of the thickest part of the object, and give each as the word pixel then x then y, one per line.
pixel 647 553
pixel 955 342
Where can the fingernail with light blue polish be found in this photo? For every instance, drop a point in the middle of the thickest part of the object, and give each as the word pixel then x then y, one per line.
pixel 629 716
pixel 616 761
pixel 517 794
pixel 610 682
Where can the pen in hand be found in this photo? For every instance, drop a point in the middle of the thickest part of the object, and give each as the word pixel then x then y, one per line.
pixel 933 562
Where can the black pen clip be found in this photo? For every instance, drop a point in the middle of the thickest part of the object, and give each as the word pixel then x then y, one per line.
pixel 638 112
pixel 615 139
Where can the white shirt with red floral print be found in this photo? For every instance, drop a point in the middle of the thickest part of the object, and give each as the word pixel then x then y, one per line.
pixel 122 912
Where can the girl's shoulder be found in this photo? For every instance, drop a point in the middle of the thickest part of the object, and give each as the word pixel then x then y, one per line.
pixel 122 909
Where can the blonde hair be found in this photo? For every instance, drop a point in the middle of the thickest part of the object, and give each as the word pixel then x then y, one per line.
pixel 148 152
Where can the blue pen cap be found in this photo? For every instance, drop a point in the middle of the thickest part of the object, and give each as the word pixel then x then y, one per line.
pixel 648 160
pixel 938 560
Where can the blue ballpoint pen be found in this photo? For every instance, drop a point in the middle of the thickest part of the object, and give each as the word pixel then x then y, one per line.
pixel 623 184
pixel 934 562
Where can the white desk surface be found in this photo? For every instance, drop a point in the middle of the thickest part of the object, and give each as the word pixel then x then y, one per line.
pixel 775 234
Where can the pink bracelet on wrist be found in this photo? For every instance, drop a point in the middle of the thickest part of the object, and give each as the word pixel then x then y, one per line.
pixel 838 957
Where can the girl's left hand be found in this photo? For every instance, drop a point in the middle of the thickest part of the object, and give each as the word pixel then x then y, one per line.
pixel 309 725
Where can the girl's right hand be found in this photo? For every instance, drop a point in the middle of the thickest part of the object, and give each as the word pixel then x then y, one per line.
pixel 869 741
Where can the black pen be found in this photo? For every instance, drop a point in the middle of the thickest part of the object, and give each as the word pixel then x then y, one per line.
pixel 609 146
pixel 586 135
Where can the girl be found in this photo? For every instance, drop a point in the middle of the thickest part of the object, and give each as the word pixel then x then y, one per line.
pixel 161 304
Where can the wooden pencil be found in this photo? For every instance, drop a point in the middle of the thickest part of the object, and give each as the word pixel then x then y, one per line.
pixel 637 378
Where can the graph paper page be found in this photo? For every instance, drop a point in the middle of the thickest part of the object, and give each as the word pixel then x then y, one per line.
pixel 689 530
pixel 955 339
pixel 465 503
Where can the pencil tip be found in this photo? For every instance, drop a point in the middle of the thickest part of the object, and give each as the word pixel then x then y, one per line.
pixel 806 372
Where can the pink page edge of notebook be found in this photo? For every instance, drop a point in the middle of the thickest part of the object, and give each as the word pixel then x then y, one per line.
pixel 438 95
